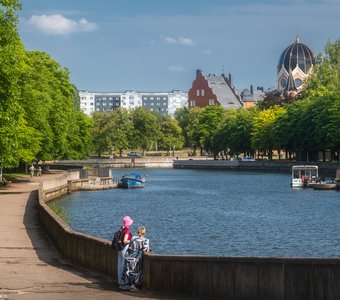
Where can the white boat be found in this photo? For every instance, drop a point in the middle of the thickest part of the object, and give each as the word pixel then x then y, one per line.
pixel 305 176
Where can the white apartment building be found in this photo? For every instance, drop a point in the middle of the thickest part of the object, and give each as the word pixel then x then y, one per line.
pixel 177 99
pixel 164 103
pixel 87 102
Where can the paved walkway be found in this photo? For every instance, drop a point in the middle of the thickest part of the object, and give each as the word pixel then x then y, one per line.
pixel 32 268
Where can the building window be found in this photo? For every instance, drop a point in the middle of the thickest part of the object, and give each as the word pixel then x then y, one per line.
pixel 211 102
pixel 298 82
pixel 198 92
pixel 192 103
pixel 202 92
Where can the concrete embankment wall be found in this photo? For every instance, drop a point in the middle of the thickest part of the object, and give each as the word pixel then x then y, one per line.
pixel 204 277
pixel 138 162
pixel 325 169
pixel 84 249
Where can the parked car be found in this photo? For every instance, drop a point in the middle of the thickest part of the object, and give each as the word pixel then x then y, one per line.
pixel 134 154
pixel 236 159
pixel 248 159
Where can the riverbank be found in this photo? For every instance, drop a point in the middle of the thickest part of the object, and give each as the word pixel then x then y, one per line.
pixel 31 267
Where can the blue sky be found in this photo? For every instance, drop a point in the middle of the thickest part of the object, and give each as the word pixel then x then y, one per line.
pixel 149 45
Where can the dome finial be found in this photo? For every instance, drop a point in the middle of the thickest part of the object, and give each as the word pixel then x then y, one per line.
pixel 297 36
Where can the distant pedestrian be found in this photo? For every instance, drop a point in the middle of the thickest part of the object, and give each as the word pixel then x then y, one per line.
pixel 32 168
pixel 133 260
pixel 126 233
pixel 39 171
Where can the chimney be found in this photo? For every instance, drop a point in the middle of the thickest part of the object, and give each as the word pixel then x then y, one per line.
pixel 229 78
pixel 251 89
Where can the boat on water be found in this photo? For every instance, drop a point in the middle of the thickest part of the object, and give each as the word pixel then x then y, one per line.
pixel 132 180
pixel 305 176
pixel 325 186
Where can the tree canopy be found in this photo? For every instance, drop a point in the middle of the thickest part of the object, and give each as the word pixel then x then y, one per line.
pixel 39 115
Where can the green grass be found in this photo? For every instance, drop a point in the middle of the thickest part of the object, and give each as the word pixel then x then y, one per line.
pixel 12 176
pixel 60 211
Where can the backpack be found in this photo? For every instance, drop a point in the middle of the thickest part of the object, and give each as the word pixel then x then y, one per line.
pixel 117 241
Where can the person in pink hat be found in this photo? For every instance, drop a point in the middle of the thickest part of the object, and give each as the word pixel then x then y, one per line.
pixel 126 233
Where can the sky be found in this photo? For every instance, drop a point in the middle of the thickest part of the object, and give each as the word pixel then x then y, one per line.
pixel 157 45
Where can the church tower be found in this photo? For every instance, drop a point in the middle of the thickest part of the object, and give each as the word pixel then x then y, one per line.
pixel 294 65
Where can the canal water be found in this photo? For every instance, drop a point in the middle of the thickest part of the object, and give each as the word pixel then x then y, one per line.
pixel 215 213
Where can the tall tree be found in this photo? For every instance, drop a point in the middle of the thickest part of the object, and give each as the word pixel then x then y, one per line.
pixel 262 136
pixel 191 128
pixel 146 130
pixel 209 121
pixel 122 128
pixel 12 57
pixel 171 135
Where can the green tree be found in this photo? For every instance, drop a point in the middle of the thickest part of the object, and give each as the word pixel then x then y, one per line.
pixel 12 57
pixel 171 137
pixel 262 135
pixel 325 77
pixel 191 128
pixel 333 127
pixel 100 132
pixel 182 117
pixel 121 130
pixel 240 131
pixel 210 119
pixel 146 128
pixel 50 100
pixel 80 139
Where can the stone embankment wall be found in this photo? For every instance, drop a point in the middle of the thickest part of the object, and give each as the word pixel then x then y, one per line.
pixel 202 277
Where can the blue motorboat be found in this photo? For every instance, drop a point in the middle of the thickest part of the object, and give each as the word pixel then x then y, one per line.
pixel 132 180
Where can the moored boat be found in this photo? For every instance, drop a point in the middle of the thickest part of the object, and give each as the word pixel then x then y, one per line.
pixel 305 176
pixel 133 180
pixel 325 186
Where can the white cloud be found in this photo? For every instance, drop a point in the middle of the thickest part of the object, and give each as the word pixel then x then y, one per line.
pixel 177 40
pixel 59 25
pixel 176 68
pixel 185 41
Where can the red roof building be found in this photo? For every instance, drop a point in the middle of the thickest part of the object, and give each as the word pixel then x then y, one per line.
pixel 213 90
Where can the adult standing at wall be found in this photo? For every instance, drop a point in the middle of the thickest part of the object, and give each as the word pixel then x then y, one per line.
pixel 126 233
